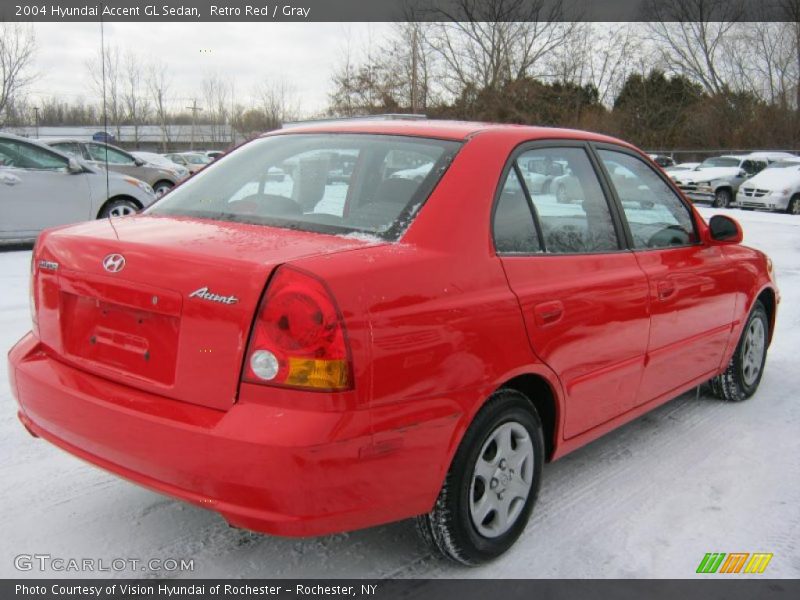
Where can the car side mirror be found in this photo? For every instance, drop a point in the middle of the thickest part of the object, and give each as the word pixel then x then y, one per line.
pixel 724 229
pixel 74 167
pixel 139 162
pixel 742 173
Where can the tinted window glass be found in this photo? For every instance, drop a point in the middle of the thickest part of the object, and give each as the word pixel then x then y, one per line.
pixel 71 148
pixel 115 157
pixel 25 156
pixel 572 210
pixel 318 182
pixel 656 216
pixel 514 230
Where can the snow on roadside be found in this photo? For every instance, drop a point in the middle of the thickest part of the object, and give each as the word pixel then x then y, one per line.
pixel 648 500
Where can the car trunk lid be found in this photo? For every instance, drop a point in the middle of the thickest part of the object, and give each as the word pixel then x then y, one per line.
pixel 175 319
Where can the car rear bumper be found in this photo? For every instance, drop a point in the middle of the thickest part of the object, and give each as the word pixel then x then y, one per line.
pixel 266 468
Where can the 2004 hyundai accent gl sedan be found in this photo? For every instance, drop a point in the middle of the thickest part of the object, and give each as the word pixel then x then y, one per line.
pixel 308 354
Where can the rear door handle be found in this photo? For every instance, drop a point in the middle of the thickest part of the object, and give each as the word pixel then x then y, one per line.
pixel 666 290
pixel 548 313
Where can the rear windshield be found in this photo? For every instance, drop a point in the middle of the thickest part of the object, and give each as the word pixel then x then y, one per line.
pixel 720 161
pixel 330 183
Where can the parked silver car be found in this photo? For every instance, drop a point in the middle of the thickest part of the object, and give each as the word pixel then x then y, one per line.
pixel 161 179
pixel 41 187
pixel 194 161
pixel 162 161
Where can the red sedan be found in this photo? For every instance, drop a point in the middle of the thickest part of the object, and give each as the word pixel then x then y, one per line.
pixel 413 337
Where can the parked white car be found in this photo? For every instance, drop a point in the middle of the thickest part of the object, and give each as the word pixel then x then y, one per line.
pixel 775 188
pixel 685 166
pixel 41 187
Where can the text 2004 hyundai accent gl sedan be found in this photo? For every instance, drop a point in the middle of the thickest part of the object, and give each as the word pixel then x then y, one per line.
pixel 307 354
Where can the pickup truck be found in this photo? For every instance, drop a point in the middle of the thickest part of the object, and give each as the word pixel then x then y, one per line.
pixel 716 180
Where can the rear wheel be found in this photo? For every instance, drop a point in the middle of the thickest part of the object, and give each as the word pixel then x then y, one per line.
pixel 490 490
pixel 722 198
pixel 740 379
pixel 119 208
pixel 794 205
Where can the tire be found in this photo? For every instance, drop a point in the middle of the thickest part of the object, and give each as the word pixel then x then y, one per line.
pixel 561 195
pixel 722 198
pixel 162 187
pixel 496 468
pixel 741 377
pixel 119 208
pixel 793 208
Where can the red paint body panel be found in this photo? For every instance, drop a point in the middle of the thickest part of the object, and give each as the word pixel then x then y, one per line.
pixel 131 373
pixel 598 343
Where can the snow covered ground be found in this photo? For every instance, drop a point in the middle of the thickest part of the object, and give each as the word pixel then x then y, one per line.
pixel 648 500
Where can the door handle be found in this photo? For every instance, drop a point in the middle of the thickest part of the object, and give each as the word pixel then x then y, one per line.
pixel 10 179
pixel 548 313
pixel 666 290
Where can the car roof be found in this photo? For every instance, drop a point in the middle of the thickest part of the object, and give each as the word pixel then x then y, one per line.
pixel 772 154
pixel 61 140
pixel 448 130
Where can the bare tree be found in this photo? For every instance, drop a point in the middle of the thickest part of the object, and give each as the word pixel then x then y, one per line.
pixel 137 105
pixel 158 85
pixel 762 61
pixel 691 36
pixel 217 93
pixel 17 48
pixel 791 12
pixel 601 55
pixel 484 44
pixel 106 75
pixel 278 101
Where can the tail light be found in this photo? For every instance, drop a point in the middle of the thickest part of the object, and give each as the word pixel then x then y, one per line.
pixel 298 337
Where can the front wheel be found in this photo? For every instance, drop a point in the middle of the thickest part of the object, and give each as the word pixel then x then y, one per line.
pixel 794 205
pixel 119 208
pixel 740 379
pixel 722 199
pixel 161 188
pixel 492 484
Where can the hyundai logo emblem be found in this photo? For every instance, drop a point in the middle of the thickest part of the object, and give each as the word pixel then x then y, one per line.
pixel 114 263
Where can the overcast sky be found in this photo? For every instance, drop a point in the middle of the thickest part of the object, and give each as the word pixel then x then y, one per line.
pixel 303 54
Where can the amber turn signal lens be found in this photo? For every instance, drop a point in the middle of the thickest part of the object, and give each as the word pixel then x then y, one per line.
pixel 315 373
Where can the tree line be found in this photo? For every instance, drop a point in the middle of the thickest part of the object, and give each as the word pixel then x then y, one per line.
pixel 696 75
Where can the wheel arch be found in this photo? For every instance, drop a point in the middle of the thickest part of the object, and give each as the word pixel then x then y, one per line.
pixel 540 393
pixel 768 298
pixel 114 199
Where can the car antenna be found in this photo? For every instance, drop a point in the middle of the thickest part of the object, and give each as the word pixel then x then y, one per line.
pixel 105 113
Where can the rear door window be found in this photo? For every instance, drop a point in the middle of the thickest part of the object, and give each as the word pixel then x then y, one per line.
pixel 567 201
pixel 514 226
pixel 100 153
